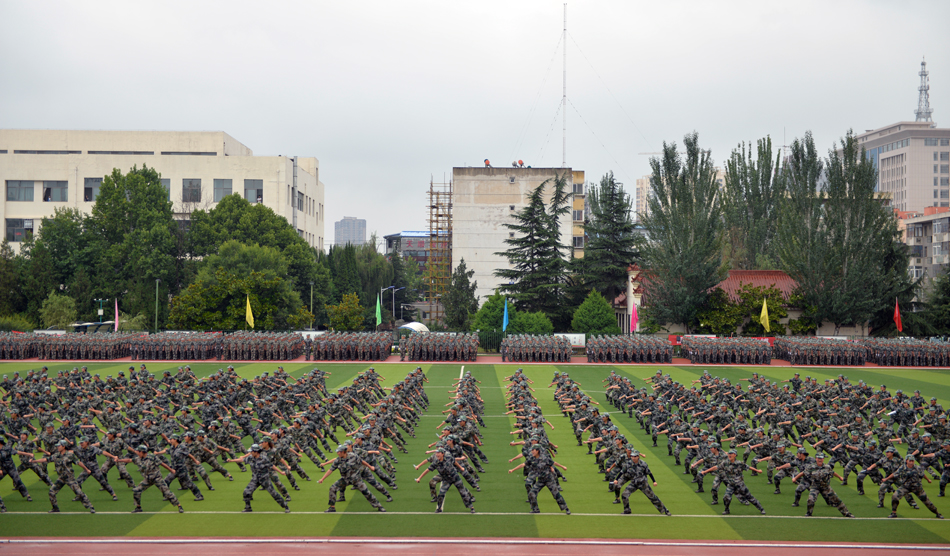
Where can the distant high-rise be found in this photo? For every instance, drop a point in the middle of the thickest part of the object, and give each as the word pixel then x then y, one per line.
pixel 349 230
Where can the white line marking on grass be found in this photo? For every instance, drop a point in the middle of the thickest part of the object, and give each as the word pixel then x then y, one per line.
pixel 524 514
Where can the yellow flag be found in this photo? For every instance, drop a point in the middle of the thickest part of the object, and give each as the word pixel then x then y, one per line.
pixel 250 314
pixel 764 319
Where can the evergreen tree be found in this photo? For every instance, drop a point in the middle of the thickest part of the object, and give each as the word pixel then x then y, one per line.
pixel 595 316
pixel 681 250
pixel 751 193
pixel 492 313
pixel 611 244
pixel 536 255
pixel 460 301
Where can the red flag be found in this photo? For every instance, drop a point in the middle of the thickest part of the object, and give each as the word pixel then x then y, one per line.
pixel 897 316
pixel 634 319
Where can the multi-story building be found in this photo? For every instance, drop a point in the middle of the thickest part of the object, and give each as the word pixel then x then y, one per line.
pixel 928 237
pixel 350 230
pixel 409 244
pixel 913 163
pixel 43 170
pixel 643 193
pixel 484 199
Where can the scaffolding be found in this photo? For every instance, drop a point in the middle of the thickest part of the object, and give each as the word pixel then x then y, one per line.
pixel 438 272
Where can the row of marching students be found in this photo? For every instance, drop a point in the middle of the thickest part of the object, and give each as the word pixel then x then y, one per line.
pixel 456 455
pixel 540 469
pixel 617 459
pixel 367 455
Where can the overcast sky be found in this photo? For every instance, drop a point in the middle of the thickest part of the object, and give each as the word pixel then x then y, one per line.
pixel 388 94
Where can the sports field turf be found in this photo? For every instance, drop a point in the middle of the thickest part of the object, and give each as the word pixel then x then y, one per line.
pixel 501 504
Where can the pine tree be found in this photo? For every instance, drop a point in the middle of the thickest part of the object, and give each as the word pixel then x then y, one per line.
pixel 595 316
pixel 681 250
pixel 460 301
pixel 536 255
pixel 611 244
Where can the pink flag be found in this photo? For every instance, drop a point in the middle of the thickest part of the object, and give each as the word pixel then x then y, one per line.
pixel 117 314
pixel 634 319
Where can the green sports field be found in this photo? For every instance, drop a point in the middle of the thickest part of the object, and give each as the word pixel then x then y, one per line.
pixel 501 504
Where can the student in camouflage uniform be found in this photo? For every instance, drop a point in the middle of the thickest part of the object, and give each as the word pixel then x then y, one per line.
pixel 178 453
pixel 819 476
pixel 732 476
pixel 27 446
pixel 261 469
pixel 63 460
pixel 150 466
pixel 635 472
pixel 443 464
pixel 86 453
pixel 8 467
pixel 350 466
pixel 907 480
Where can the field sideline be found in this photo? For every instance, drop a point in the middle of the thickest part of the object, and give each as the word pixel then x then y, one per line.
pixel 501 506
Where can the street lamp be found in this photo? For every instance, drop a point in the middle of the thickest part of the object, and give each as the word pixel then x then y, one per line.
pixel 157 280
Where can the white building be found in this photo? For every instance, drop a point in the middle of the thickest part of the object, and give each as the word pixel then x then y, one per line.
pixel 42 170
pixel 484 199
pixel 350 230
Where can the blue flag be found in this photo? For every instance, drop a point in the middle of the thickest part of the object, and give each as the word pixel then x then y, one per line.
pixel 504 320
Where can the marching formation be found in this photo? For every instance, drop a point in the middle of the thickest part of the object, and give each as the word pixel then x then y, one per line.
pixel 181 424
pixel 629 349
pixel 439 347
pixel 854 426
pixel 349 346
pixel 907 352
pixel 527 347
pixel 804 350
pixel 739 351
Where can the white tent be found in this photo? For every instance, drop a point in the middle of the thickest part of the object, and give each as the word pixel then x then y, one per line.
pixel 416 327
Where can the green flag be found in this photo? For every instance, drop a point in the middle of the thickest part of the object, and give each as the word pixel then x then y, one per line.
pixel 379 310
pixel 764 318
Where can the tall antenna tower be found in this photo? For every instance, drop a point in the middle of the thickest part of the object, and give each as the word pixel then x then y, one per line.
pixel 924 111
pixel 564 98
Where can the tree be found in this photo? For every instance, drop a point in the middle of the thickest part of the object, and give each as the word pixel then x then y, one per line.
pixel 58 311
pixel 218 297
pixel 720 316
pixel 531 323
pixel 9 291
pixel 460 301
pixel 898 285
pixel 347 315
pixel 938 311
pixel 36 275
pixel 131 231
pixel 343 269
pixel 681 250
pixel 595 316
pixel 536 255
pixel 750 302
pixel 611 243
pixel 492 313
pixel 751 192
pixel 375 273
pixel 835 239
pixel 235 218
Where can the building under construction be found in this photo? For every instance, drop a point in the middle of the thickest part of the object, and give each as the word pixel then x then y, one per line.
pixel 438 271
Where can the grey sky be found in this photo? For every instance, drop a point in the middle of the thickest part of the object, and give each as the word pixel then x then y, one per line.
pixel 386 94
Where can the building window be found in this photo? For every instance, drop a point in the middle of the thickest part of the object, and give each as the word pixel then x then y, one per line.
pixel 299 201
pixel 944 182
pixel 167 184
pixel 46 152
pixel 222 188
pixel 19 190
pixel 945 193
pixel 944 156
pixel 190 190
pixel 935 193
pixel 91 189
pixel 122 153
pixel 578 188
pixel 55 191
pixel 945 142
pixel 945 168
pixel 19 229
pixel 579 242
pixel 254 190
pixel 578 215
pixel 185 153
pixel 930 142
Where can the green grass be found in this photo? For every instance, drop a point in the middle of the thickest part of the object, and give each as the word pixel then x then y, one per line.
pixel 502 510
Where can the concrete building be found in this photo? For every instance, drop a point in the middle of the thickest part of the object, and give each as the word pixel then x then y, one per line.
pixel 643 193
pixel 409 244
pixel 47 169
pixel 486 198
pixel 350 230
pixel 913 163
pixel 929 241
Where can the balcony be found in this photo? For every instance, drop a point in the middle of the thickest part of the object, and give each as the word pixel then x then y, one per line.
pixel 939 238
pixel 940 259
